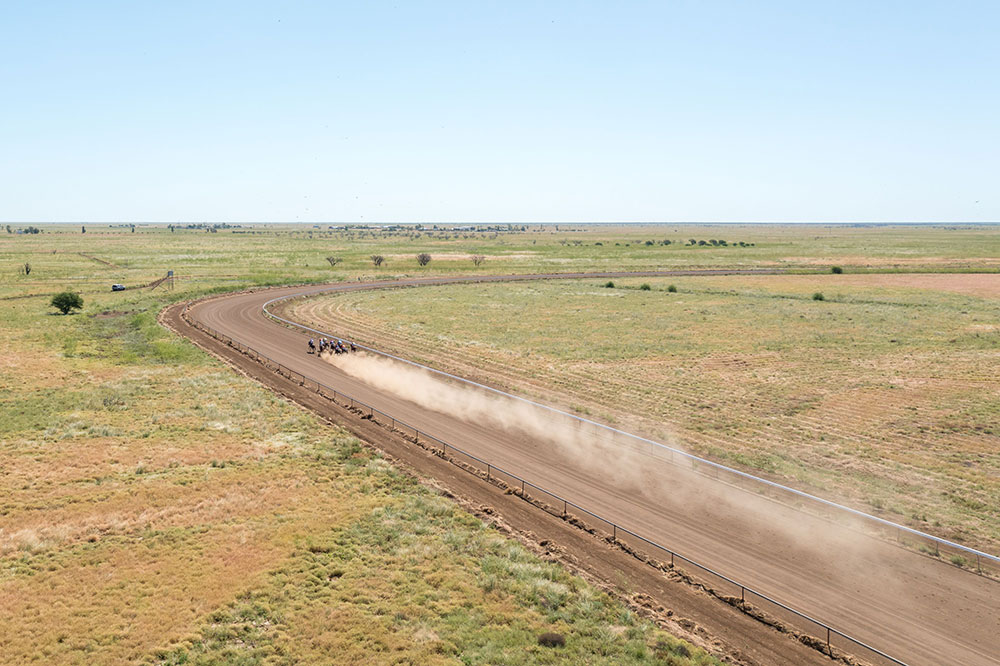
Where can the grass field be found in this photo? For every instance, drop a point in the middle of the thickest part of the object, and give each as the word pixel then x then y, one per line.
pixel 61 255
pixel 157 507
pixel 884 394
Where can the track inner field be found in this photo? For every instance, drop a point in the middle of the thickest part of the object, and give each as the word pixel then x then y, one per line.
pixel 918 609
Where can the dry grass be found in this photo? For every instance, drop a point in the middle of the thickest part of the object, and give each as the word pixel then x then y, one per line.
pixel 156 507
pixel 882 395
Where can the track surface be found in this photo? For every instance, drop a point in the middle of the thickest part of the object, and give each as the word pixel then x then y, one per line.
pixel 920 610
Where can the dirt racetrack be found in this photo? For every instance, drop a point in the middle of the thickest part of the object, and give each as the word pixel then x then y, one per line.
pixel 918 609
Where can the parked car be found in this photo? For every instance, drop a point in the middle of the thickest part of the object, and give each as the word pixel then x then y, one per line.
pixel 117 287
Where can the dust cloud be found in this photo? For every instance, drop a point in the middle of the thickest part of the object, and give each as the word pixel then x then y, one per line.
pixel 542 426
pixel 622 466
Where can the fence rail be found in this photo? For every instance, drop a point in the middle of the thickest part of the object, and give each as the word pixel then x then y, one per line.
pixel 751 601
pixel 956 554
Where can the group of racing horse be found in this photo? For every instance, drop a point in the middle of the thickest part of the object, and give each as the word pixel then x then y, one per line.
pixel 331 345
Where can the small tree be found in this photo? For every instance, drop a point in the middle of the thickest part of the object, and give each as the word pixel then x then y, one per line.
pixel 423 258
pixel 818 296
pixel 67 301
pixel 478 259
pixel 377 260
pixel 25 269
pixel 672 288
pixel 609 285
pixel 645 286
pixel 836 269
pixel 334 260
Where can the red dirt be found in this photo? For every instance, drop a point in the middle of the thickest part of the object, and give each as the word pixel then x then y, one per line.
pixel 918 609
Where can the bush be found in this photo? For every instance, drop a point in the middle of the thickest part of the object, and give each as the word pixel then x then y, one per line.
pixel 818 296
pixel 672 288
pixel 67 301
pixel 645 286
pixel 609 285
pixel 550 639
pixel 837 269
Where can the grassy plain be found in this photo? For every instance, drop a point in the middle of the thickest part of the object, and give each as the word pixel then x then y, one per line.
pixel 156 507
pixel 884 394
pixel 62 256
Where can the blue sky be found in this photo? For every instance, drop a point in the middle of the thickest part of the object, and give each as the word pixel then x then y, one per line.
pixel 500 111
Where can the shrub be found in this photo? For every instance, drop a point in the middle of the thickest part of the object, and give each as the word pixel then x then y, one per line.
pixel 377 259
pixel 837 269
pixel 818 296
pixel 550 639
pixel 423 258
pixel 67 301
pixel 609 285
pixel 645 286
pixel 672 288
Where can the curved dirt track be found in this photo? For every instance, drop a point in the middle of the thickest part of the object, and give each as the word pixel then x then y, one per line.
pixel 917 609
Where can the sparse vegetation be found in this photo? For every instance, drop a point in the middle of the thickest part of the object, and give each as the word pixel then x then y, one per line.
pixel 732 337
pixel 220 524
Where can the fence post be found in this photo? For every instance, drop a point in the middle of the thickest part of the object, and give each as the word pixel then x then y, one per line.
pixel 828 648
pixel 564 509
pixel 614 532
pixel 487 471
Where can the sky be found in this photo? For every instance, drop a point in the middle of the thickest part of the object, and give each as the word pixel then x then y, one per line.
pixel 885 111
